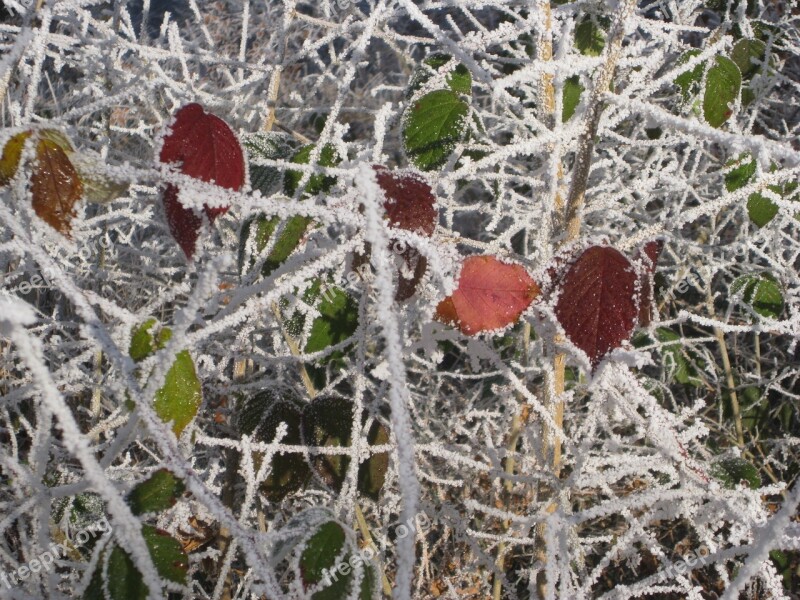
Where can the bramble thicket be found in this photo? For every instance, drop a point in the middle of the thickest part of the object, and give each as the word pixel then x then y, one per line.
pixel 421 299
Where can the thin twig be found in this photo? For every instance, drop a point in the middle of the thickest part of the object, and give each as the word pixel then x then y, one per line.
pixel 583 161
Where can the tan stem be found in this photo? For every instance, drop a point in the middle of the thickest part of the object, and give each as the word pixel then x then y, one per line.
pixel 364 527
pixel 731 383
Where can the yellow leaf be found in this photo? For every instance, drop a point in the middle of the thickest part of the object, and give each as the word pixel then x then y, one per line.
pixel 9 162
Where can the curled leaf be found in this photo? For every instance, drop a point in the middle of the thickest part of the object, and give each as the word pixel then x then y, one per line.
pixel 97 186
pixel 648 258
pixel 206 149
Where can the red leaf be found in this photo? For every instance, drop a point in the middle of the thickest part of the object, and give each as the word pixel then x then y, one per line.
pixel 184 223
pixel 410 203
pixel 207 150
pixel 647 259
pixel 597 304
pixel 417 264
pixel 490 295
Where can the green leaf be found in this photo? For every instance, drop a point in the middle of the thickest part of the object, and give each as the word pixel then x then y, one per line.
pixel 180 397
pixel 123 580
pixel 433 125
pixel 679 362
pixel 675 359
pixel 457 78
pixel 337 322
pixel 317 183
pixel 741 174
pixel 369 584
pixel 323 550
pixel 723 82
pixel 748 54
pixel 288 240
pixel 267 146
pixel 253 238
pixel 320 564
pixel 689 81
pixel 157 493
pixel 732 471
pixel 168 557
pixel 762 294
pixel 571 97
pixel 761 210
pixel 143 344
pixel 260 229
pixel 328 421
pixel 589 38
pixel 260 416
pixel 372 472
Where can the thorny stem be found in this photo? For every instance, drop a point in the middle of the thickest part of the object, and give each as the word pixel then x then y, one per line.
pixel 295 350
pixel 548 97
pixel 568 230
pixel 240 368
pixel 600 85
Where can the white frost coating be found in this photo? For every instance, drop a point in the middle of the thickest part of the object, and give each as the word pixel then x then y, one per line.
pixel 16 312
pixel 127 527
pixel 402 430
pixel 638 448
pixel 764 541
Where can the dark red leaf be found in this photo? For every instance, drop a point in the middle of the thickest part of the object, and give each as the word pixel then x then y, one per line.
pixel 597 302
pixel 410 203
pixel 417 265
pixel 490 295
pixel 184 223
pixel 207 150
pixel 647 259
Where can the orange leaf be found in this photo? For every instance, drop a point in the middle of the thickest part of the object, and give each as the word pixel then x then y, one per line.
pixel 490 295
pixel 55 185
